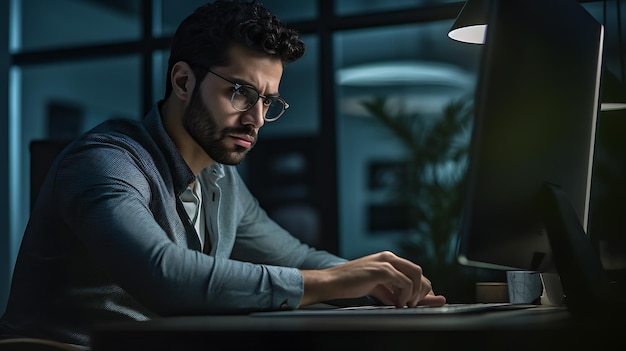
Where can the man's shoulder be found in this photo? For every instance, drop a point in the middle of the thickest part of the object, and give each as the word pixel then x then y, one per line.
pixel 118 128
pixel 124 133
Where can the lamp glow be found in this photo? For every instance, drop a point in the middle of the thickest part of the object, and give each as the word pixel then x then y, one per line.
pixel 470 25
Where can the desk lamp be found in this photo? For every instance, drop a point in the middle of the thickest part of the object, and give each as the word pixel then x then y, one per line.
pixel 470 26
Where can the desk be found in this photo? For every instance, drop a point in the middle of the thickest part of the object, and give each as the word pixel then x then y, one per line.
pixel 533 329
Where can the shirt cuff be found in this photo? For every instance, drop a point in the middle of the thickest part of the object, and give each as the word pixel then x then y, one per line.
pixel 287 286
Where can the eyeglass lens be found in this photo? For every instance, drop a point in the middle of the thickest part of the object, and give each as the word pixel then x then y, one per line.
pixel 245 97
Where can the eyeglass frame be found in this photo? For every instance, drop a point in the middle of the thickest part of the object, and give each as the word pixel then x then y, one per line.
pixel 237 86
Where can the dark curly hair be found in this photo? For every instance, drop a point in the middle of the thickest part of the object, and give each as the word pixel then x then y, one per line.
pixel 204 37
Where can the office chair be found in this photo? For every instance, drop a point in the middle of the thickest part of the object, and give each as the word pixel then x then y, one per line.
pixel 42 154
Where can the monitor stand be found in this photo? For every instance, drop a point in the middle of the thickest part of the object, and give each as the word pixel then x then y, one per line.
pixel 585 286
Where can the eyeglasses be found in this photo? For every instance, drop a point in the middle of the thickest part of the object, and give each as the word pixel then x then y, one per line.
pixel 246 96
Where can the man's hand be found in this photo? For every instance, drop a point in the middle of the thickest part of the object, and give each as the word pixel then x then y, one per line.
pixel 391 279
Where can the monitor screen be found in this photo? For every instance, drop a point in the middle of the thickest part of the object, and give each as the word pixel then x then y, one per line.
pixel 536 104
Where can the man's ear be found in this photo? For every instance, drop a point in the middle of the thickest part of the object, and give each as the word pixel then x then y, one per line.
pixel 183 80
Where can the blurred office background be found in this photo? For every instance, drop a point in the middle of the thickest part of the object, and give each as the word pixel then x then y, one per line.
pixel 331 170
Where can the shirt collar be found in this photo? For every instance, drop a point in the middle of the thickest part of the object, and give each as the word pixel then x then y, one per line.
pixel 181 173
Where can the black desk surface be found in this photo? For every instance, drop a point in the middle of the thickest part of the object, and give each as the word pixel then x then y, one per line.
pixel 533 329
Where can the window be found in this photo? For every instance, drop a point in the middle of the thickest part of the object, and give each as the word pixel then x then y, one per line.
pixel 66 23
pixel 353 7
pixel 417 70
pixel 174 11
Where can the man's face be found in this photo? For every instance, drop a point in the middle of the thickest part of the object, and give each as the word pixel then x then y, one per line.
pixel 205 129
pixel 225 134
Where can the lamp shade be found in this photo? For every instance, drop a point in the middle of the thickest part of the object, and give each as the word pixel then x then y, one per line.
pixel 613 93
pixel 470 25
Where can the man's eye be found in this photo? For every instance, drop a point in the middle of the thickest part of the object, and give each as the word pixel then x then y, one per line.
pixel 242 91
pixel 268 102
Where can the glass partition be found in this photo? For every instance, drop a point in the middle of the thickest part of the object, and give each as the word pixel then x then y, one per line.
pixel 409 71
pixel 173 12
pixel 355 7
pixel 62 23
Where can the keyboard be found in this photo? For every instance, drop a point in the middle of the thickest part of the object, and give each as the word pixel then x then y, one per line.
pixel 321 310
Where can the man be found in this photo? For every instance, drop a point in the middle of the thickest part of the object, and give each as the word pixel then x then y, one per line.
pixel 138 220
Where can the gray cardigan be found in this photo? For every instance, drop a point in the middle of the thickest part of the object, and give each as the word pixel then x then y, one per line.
pixel 109 240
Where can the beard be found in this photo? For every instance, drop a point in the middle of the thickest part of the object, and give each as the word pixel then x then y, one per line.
pixel 202 126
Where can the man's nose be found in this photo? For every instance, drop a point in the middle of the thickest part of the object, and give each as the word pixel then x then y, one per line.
pixel 255 115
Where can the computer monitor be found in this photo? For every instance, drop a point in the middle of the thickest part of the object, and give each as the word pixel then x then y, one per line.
pixel 531 153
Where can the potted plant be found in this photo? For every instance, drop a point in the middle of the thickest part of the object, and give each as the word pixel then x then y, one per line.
pixel 433 189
